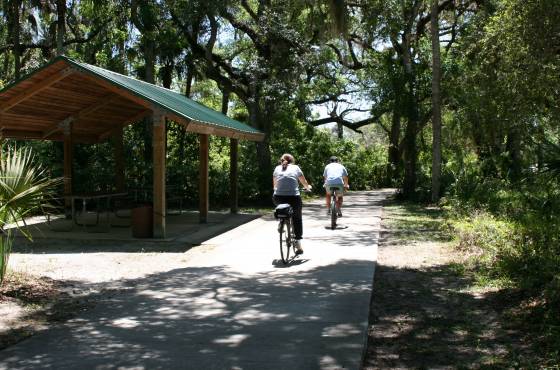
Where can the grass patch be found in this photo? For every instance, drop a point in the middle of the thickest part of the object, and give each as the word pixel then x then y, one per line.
pixel 507 257
pixel 412 222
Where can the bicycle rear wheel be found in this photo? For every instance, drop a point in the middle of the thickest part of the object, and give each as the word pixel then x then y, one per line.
pixel 333 211
pixel 285 232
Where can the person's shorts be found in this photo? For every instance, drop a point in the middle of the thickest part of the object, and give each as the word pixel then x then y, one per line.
pixel 339 188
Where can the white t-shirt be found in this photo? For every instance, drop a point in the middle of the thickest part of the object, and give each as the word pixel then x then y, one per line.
pixel 334 173
pixel 287 180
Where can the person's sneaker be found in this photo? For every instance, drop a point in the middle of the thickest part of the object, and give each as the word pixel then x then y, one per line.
pixel 328 212
pixel 298 248
pixel 339 213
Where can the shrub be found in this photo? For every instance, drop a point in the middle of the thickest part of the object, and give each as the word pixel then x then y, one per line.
pixel 24 188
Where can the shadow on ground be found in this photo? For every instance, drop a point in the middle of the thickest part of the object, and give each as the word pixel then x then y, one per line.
pixel 210 318
pixel 184 237
pixel 427 315
pixel 421 319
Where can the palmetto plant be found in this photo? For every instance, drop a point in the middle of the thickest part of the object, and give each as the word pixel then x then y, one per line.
pixel 24 190
pixel 551 160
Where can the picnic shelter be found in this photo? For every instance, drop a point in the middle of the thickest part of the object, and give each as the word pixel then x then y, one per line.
pixel 74 102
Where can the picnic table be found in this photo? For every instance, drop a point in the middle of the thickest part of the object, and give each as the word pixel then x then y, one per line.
pixel 99 198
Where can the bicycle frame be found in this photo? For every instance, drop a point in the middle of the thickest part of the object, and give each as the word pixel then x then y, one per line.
pixel 285 232
pixel 333 207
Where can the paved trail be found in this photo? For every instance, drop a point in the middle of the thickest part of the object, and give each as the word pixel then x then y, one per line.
pixel 234 305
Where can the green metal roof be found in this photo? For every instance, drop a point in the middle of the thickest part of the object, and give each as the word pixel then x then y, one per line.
pixel 167 99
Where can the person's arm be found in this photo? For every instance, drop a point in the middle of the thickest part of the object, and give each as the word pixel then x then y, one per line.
pixel 304 182
pixel 274 180
pixel 345 179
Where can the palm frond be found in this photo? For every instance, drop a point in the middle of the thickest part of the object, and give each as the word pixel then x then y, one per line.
pixel 24 186
pixel 551 160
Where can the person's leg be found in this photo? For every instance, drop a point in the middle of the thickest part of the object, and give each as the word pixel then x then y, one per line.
pixel 328 197
pixel 296 204
pixel 339 200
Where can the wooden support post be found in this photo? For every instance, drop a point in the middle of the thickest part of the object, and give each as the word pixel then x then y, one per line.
pixel 233 194
pixel 68 159
pixel 118 152
pixel 203 175
pixel 158 145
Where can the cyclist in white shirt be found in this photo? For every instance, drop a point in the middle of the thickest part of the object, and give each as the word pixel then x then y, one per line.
pixel 335 175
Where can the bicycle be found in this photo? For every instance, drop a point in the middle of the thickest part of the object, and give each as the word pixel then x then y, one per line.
pixel 284 213
pixel 333 208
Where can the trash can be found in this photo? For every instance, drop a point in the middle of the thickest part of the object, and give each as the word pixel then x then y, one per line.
pixel 142 221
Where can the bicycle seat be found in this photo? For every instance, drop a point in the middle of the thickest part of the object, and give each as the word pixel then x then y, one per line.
pixel 283 210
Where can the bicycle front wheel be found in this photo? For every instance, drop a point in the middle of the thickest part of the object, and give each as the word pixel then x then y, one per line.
pixel 333 212
pixel 285 240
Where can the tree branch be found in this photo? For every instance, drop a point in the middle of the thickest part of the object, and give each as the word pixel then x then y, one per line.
pixel 355 66
pixel 248 9
pixel 253 35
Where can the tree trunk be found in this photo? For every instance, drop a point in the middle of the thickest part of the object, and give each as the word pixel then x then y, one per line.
pixel 60 26
pixel 394 154
pixel 167 75
pixel 410 158
pixel 149 63
pixel 410 149
pixel 262 122
pixel 182 129
pixel 149 58
pixel 190 78
pixel 15 27
pixel 225 100
pixel 436 104
pixel 513 145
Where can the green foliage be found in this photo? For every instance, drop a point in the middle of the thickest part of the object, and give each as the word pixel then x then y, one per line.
pixel 24 190
pixel 312 148
pixel 489 241
pixel 515 241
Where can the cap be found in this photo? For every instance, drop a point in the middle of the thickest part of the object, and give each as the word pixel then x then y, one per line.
pixel 333 159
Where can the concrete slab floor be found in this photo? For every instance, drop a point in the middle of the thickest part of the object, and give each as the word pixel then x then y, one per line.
pixel 233 306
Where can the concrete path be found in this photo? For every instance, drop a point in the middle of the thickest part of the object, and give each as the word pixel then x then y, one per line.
pixel 234 305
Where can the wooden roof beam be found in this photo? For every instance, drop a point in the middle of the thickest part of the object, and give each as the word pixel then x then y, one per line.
pixel 104 101
pixel 38 135
pixel 123 92
pixel 63 125
pixel 36 88
pixel 82 113
pixel 129 121
pixel 207 129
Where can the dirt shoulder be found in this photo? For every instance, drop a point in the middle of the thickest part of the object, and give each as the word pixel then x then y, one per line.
pixel 50 284
pixel 428 312
pixel 29 304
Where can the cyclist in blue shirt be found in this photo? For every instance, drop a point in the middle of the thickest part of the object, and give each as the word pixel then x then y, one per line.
pixel 286 190
pixel 335 175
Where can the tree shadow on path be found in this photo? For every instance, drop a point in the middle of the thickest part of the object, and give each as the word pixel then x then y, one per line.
pixel 214 318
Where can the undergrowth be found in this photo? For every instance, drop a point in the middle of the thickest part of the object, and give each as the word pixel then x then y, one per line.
pixel 510 238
